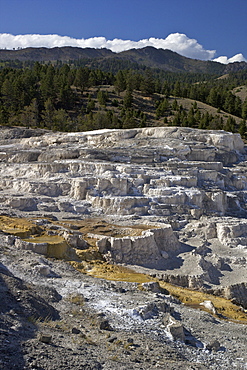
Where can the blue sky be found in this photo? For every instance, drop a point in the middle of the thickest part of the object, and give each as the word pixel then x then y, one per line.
pixel 219 25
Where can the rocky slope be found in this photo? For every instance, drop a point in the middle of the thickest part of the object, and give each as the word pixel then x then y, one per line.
pixel 174 200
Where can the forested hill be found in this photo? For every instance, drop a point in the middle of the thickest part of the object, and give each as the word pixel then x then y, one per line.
pixel 170 61
pixel 149 56
pixel 76 97
pixel 64 54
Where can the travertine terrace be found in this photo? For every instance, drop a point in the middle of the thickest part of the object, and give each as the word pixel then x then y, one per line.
pixel 187 186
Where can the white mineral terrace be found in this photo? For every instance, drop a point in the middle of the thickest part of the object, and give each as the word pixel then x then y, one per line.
pixel 189 184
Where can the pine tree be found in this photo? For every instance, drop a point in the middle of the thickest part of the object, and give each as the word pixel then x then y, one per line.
pixel 205 120
pixel 191 121
pixel 48 114
pixel 244 109
pixel 90 105
pixel 230 124
pixel 7 92
pixel 229 104
pixel 177 89
pixel 82 78
pixel 148 83
pixel 102 97
pixel 177 119
pixel 30 115
pixel 62 120
pixel 242 128
pixel 175 105
pixel 47 84
pixel 128 99
pixel 213 98
pixel 120 82
pixel 162 108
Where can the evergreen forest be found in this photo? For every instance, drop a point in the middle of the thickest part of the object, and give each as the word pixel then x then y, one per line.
pixel 76 97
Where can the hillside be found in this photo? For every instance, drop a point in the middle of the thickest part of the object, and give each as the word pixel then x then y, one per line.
pixel 241 92
pixel 65 53
pixel 170 61
pixel 75 96
pixel 102 107
pixel 149 56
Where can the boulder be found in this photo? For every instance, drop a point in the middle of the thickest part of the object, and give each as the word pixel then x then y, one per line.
pixel 152 286
pixel 213 346
pixel 45 338
pixel 174 328
pixel 209 306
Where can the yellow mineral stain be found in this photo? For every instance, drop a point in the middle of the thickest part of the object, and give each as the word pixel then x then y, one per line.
pixel 192 298
pixel 90 261
pixel 57 246
pixel 58 250
pixel 21 227
pixel 90 254
pixel 51 239
pixel 226 310
pixel 106 271
pixel 101 227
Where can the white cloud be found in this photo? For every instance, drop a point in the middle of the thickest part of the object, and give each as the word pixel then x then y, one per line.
pixel 177 42
pixel 235 58
pixel 183 45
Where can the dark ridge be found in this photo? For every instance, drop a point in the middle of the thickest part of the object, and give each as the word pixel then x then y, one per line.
pixel 166 60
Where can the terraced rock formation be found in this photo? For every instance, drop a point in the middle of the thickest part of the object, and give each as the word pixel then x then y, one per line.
pixel 187 186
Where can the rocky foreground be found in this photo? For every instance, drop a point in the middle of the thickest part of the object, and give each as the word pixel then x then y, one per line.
pixel 168 202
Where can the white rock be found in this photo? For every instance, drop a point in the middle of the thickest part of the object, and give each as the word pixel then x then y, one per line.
pixel 209 305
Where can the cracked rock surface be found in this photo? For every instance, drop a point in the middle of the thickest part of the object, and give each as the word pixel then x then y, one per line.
pixel 187 187
pixel 191 181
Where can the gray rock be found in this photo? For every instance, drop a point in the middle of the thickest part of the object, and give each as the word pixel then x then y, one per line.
pixel 174 327
pixel 105 325
pixel 213 346
pixel 45 338
pixel 177 331
pixel 152 287
pixel 75 331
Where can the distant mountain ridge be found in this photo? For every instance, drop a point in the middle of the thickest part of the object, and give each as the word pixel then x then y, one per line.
pixel 149 56
pixel 170 61
pixel 64 53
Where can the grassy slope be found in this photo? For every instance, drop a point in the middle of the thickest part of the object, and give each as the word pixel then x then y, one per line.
pixel 146 104
pixel 241 92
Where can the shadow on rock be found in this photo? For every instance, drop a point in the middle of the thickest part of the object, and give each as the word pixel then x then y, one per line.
pixel 190 340
pixel 20 307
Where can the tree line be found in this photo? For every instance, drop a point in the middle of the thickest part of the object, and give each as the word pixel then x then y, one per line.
pixel 70 97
